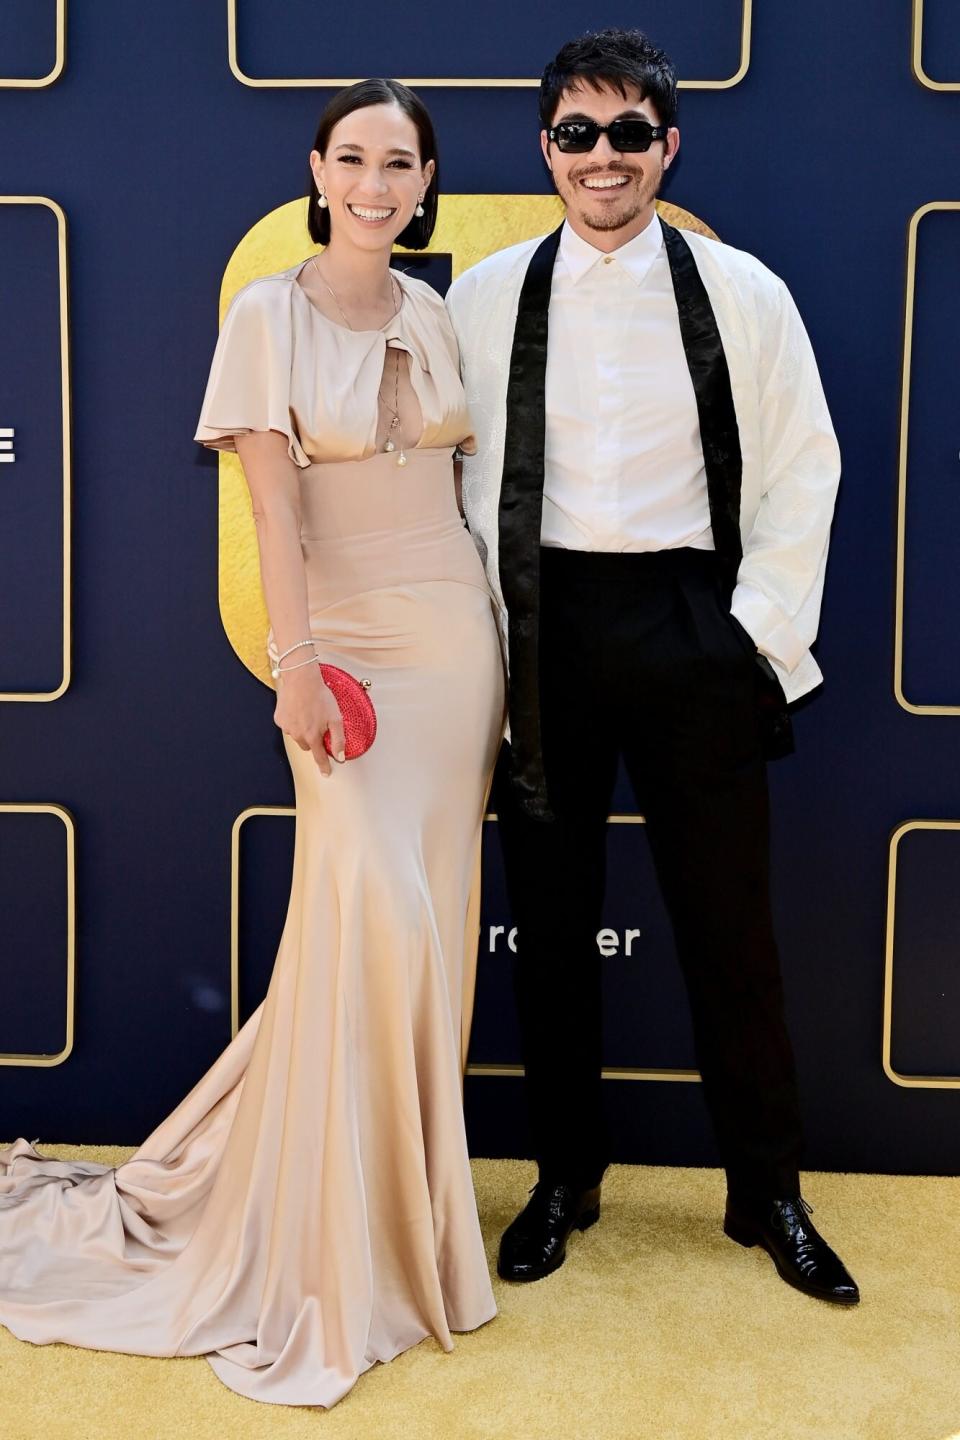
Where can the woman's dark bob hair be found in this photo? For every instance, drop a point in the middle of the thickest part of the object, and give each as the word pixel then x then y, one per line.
pixel 380 92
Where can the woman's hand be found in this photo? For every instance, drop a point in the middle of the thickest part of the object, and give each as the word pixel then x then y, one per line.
pixel 306 710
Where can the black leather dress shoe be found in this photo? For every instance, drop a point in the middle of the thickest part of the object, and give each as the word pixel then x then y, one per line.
pixel 536 1243
pixel 802 1256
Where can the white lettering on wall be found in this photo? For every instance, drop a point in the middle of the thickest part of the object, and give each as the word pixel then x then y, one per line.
pixel 610 942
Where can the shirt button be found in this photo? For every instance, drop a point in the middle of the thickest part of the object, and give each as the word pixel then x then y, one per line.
pixel 607 259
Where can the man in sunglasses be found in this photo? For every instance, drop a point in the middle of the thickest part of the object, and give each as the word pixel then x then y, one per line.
pixel 652 496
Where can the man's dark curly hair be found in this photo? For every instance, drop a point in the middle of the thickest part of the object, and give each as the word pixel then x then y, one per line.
pixel 618 58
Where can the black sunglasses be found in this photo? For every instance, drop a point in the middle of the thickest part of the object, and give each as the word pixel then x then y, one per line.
pixel 577 137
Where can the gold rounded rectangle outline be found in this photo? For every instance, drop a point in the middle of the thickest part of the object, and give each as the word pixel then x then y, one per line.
pixel 908 1082
pixel 916 55
pixel 44 695
pixel 609 1073
pixel 49 808
pixel 463 83
pixel 915 218
pixel 59 60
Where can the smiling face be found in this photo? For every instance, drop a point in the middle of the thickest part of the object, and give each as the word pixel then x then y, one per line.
pixel 609 196
pixel 372 175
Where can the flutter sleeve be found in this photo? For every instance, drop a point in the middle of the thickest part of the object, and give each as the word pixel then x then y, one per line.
pixel 249 384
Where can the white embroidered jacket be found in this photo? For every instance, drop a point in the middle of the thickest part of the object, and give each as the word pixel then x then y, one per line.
pixel 791 461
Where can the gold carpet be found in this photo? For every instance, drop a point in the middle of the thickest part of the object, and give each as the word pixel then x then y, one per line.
pixel 657 1328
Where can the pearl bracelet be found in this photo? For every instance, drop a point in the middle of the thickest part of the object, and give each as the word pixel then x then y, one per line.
pixel 275 670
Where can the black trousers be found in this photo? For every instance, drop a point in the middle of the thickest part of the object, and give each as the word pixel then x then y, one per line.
pixel 640 657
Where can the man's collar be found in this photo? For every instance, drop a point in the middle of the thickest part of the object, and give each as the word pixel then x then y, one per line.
pixel 635 257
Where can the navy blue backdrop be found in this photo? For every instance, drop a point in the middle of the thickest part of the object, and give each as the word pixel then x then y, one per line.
pixel 162 159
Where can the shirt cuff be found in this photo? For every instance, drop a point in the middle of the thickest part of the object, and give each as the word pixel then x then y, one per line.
pixel 767 626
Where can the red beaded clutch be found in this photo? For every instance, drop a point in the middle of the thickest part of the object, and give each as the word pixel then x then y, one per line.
pixel 356 708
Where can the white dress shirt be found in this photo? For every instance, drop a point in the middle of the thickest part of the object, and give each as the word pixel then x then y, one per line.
pixel 623 464
pixel 791 461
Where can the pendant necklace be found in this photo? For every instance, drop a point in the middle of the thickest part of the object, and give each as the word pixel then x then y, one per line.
pixel 390 445
pixel 394 409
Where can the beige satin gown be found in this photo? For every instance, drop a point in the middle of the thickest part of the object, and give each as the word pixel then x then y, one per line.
pixel 308 1209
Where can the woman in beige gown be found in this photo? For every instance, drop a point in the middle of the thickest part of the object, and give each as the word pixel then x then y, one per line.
pixel 308 1209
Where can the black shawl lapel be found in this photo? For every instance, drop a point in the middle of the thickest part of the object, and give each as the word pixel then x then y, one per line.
pixel 521 507
pixel 719 432
pixel 722 460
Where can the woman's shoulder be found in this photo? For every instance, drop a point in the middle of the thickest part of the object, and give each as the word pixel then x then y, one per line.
pixel 265 293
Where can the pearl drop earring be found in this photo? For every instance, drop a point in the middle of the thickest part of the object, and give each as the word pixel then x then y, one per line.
pixel 419 212
pixel 322 199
